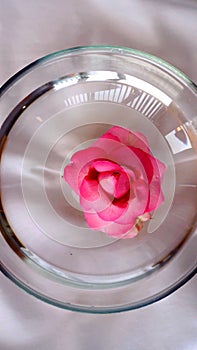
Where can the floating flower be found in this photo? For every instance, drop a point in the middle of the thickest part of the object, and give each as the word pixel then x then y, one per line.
pixel 118 182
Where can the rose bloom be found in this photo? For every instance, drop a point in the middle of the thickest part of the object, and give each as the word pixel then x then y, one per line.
pixel 118 182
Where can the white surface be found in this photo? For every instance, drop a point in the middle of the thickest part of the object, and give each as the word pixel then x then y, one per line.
pixel 30 29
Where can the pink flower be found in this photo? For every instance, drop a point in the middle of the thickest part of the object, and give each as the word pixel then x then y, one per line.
pixel 118 182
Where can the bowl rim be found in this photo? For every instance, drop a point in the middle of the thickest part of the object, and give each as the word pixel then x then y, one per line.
pixel 99 310
pixel 116 49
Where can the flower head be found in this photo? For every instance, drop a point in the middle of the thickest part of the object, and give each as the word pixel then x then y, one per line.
pixel 118 182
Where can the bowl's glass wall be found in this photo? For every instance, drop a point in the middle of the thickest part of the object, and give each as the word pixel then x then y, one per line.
pixel 63 102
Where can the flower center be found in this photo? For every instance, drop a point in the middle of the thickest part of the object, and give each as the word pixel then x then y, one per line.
pixel 108 182
pixel 115 183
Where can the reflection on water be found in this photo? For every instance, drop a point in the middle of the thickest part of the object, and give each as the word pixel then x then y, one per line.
pixel 178 140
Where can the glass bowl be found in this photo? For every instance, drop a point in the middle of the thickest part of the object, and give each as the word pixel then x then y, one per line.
pixel 59 104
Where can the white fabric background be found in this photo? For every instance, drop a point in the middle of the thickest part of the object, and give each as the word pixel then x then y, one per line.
pixel 33 28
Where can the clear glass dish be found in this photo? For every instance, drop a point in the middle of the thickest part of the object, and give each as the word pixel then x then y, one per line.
pixel 59 104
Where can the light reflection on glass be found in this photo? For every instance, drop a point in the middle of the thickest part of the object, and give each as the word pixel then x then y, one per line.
pixel 178 140
pixel 124 79
pixel 39 119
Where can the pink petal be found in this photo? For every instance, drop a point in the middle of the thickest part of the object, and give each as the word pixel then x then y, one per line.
pixel 121 155
pixel 87 155
pixel 131 233
pixel 146 161
pixel 110 228
pixel 117 230
pixel 112 212
pixel 122 185
pixel 155 171
pixel 128 138
pixel 136 205
pixel 154 168
pixel 127 158
pixel 117 133
pixel 75 172
pixel 94 221
pixel 156 196
pixel 71 177
pixel 100 204
pixel 138 140
pixel 105 165
pixel 107 145
pixel 89 190
pixel 161 167
pixel 133 174
pixel 108 182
